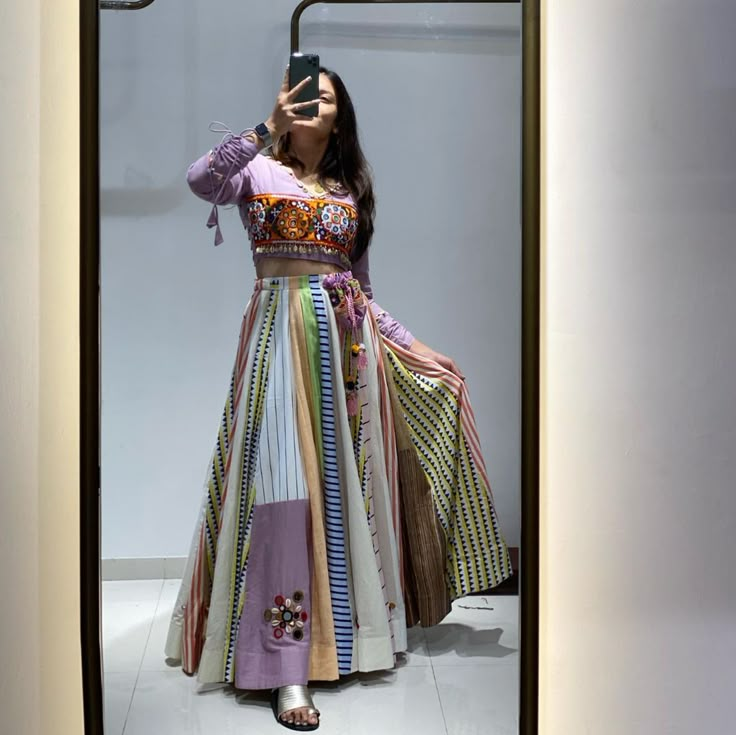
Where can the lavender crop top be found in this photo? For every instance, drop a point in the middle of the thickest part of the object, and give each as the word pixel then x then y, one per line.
pixel 283 220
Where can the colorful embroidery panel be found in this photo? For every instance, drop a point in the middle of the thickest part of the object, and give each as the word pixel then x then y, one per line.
pixel 287 616
pixel 288 225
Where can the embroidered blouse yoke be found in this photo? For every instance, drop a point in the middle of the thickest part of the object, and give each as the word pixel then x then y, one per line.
pixel 283 220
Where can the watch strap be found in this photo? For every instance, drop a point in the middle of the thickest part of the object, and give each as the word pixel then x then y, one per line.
pixel 264 134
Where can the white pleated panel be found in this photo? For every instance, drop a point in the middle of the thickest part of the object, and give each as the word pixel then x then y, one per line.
pixel 280 473
pixel 382 501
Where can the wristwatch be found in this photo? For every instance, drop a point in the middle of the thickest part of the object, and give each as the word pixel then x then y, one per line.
pixel 264 134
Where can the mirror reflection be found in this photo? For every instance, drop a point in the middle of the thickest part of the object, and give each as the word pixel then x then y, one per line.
pixel 311 304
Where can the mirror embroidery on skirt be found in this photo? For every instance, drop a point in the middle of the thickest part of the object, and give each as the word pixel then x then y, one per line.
pixel 287 616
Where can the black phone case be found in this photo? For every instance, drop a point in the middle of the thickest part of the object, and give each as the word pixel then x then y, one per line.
pixel 302 66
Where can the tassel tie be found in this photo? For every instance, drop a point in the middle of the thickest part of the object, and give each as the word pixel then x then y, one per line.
pixel 349 305
pixel 222 149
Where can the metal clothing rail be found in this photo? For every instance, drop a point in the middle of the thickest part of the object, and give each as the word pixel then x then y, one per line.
pixel 297 14
pixel 124 4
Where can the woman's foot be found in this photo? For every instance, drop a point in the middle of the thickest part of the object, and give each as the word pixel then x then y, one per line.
pixel 293 707
pixel 300 716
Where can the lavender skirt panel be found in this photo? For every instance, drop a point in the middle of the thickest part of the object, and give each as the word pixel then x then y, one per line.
pixel 273 641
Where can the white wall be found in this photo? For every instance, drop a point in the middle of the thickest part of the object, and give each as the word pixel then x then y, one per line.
pixel 437 92
pixel 40 675
pixel 639 492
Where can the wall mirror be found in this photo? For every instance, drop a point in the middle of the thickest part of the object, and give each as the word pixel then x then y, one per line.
pixel 310 484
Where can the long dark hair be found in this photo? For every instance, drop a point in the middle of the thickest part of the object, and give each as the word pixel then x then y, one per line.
pixel 343 162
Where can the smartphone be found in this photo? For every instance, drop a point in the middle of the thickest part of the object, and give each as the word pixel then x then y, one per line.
pixel 302 66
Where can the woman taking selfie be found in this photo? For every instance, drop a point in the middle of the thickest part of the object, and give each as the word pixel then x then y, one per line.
pixel 347 497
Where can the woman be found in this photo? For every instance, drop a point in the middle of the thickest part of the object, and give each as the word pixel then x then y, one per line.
pixel 347 497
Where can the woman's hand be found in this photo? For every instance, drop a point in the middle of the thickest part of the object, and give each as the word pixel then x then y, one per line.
pixel 285 111
pixel 447 362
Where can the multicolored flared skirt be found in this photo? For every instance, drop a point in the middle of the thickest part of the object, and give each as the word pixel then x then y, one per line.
pixel 346 499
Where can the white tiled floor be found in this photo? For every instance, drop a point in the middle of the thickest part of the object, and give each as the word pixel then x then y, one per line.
pixel 458 678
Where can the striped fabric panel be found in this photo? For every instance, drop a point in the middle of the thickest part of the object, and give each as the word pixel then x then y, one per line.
pixel 239 374
pixel 248 455
pixel 222 459
pixel 361 433
pixel 315 362
pixel 439 421
pixel 200 585
pixel 436 373
pixel 280 475
pixel 323 665
pixel 216 484
pixel 389 439
pixel 195 616
pixel 342 612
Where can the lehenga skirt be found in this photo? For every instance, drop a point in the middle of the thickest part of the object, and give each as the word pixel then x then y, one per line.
pixel 346 498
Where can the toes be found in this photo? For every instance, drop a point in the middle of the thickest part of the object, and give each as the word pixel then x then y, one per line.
pixel 300 717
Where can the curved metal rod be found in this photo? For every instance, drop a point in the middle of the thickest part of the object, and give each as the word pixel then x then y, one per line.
pixel 304 4
pixel 124 4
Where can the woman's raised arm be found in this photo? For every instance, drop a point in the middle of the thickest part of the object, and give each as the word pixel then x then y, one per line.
pixel 222 176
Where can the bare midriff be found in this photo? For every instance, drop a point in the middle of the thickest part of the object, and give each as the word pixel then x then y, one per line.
pixel 274 267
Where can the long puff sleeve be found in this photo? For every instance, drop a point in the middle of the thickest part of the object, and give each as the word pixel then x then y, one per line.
pixel 387 325
pixel 221 176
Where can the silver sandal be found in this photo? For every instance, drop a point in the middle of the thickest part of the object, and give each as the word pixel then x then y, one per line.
pixel 293 696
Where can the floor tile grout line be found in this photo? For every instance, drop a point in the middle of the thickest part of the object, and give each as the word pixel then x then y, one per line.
pixel 439 696
pixel 434 677
pixel 143 656
pixel 127 713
